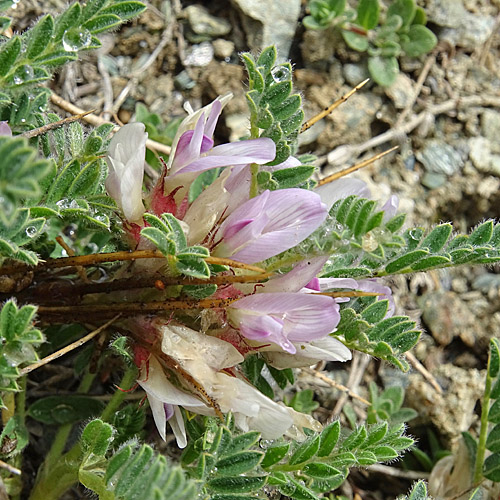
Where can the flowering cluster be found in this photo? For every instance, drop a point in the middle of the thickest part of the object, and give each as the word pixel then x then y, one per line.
pixel 192 359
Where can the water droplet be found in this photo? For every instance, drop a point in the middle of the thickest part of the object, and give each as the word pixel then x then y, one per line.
pixel 76 39
pixel 281 74
pixel 23 74
pixel 64 203
pixel 31 231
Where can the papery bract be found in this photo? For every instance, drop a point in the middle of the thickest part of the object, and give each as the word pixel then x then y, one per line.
pixel 203 357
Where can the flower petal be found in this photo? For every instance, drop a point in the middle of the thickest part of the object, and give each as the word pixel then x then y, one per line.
pixel 297 278
pixel 342 188
pixel 303 317
pixel 125 161
pixel 237 153
pixel 282 219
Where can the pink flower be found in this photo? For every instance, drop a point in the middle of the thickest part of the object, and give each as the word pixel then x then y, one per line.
pixel 5 129
pixel 284 318
pixel 269 224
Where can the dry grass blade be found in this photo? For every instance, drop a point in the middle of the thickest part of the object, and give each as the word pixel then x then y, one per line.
pixel 68 348
pixel 51 126
pixel 309 123
pixel 349 170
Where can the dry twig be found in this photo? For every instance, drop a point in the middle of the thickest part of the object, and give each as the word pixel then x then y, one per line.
pixel 68 348
pixel 336 385
pixel 96 121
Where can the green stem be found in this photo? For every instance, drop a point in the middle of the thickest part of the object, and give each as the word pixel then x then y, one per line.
pixel 254 184
pixel 126 383
pixel 483 433
pixel 59 472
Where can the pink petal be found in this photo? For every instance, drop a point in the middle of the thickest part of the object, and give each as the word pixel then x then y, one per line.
pixel 303 317
pixel 290 216
pixel 297 278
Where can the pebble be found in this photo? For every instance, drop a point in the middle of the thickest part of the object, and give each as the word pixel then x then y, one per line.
pixel 482 157
pixel 204 24
pixel 433 180
pixel 440 158
pixel 490 125
pixel 223 49
pixel 199 55
pixel 473 31
pixel 269 22
pixel 448 13
pixel 401 91
pixel 355 73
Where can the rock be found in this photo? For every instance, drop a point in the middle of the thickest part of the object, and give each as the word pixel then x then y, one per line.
pixel 448 13
pixel 446 316
pixel 223 49
pixel 269 22
pixel 473 31
pixel 433 180
pixel 199 55
pixel 490 126
pixel 482 157
pixel 355 73
pixel 453 411
pixel 204 24
pixel 440 158
pixel 401 91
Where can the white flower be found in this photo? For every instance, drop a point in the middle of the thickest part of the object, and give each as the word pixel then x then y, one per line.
pixel 125 160
pixel 203 357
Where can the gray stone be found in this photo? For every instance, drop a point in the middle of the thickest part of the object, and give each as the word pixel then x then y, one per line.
pixel 440 158
pixel 203 23
pixel 482 157
pixel 473 31
pixel 433 180
pixel 199 55
pixel 355 73
pixel 448 13
pixel 268 22
pixel 401 91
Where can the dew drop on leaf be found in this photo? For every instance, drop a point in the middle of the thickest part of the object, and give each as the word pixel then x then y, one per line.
pixel 76 39
pixel 23 74
pixel 31 231
pixel 280 74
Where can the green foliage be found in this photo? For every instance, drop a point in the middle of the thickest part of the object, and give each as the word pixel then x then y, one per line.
pixel 363 245
pixel 364 327
pixel 18 340
pixel 168 236
pixel 218 458
pixel 64 409
pixel 30 58
pixel 131 473
pixel 417 492
pixel 386 406
pixel 274 111
pixel 303 401
pixel 69 187
pixel 491 467
pixel 254 365
pixel 402 31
